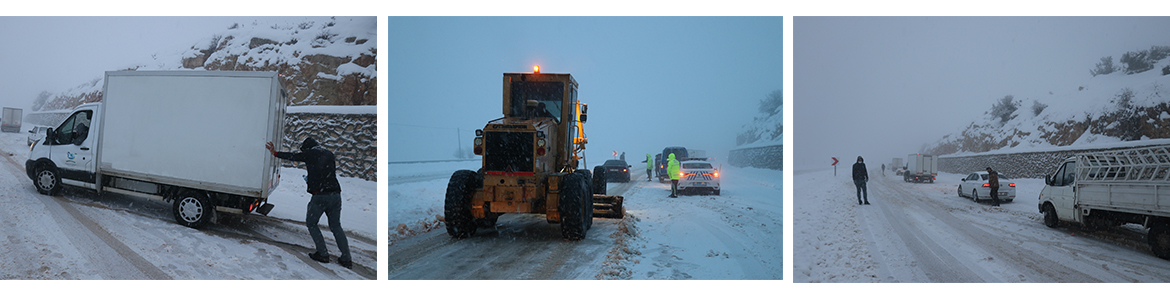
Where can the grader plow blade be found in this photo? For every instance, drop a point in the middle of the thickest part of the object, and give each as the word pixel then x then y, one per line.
pixel 606 206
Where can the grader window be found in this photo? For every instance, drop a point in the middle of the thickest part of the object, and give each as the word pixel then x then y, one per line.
pixel 549 93
pixel 508 151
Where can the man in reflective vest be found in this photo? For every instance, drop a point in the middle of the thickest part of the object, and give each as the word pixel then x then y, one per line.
pixel 649 166
pixel 672 169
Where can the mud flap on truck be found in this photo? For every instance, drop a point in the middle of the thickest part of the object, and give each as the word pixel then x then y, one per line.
pixel 608 206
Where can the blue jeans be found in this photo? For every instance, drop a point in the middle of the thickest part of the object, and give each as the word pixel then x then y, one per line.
pixel 861 190
pixel 330 205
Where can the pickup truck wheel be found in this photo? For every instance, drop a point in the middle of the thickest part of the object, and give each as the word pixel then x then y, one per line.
pixel 571 207
pixel 48 180
pixel 1159 239
pixel 1050 218
pixel 457 204
pixel 193 209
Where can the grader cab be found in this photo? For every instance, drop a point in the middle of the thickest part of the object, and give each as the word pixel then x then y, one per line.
pixel 530 162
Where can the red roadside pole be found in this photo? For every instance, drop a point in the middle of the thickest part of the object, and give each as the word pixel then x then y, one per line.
pixel 834 166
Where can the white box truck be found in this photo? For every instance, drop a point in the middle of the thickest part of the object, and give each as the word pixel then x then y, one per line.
pixel 1110 188
pixel 896 166
pixel 921 167
pixel 193 138
pixel 10 121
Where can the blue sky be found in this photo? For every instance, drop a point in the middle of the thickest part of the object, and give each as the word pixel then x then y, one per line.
pixel 650 82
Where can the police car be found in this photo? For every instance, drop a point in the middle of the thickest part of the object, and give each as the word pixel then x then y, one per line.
pixel 698 177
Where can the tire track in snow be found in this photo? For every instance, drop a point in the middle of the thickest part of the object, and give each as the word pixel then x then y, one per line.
pixel 113 259
pixel 1035 267
pixel 937 264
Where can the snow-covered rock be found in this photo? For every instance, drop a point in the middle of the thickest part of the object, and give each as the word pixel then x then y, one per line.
pixel 1106 108
pixel 325 60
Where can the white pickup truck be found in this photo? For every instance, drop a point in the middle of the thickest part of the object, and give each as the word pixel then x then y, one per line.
pixel 1110 188
pixel 193 138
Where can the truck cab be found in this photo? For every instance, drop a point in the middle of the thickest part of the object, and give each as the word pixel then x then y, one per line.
pixel 1059 192
pixel 65 155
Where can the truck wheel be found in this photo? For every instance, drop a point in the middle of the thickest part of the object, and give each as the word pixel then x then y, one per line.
pixel 48 180
pixel 457 205
pixel 599 180
pixel 716 192
pixel 571 207
pixel 193 209
pixel 1050 218
pixel 1159 238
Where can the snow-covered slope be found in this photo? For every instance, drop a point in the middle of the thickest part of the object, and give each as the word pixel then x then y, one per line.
pixel 1105 108
pixel 325 60
pixel 767 128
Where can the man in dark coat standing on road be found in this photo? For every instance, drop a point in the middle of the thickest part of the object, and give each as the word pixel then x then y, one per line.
pixel 860 176
pixel 993 183
pixel 322 183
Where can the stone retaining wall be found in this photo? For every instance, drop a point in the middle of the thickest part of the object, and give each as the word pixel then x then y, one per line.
pixel 353 138
pixel 1017 165
pixel 766 157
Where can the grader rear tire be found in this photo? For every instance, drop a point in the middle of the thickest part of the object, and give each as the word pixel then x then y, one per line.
pixel 600 180
pixel 457 206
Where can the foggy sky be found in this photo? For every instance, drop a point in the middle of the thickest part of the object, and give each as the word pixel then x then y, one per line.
pixel 881 87
pixel 650 82
pixel 58 53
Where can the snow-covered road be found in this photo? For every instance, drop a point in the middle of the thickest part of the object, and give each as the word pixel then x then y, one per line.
pixel 926 233
pixel 737 235
pixel 81 235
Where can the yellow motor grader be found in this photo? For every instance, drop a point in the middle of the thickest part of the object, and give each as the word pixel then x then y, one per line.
pixel 530 162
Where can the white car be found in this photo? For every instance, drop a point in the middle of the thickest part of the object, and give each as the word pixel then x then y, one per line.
pixel 36 134
pixel 698 176
pixel 976 187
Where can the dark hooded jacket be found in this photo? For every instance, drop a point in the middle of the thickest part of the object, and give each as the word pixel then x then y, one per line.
pixel 322 178
pixel 859 172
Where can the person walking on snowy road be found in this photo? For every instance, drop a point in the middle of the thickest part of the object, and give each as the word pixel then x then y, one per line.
pixel 993 183
pixel 883 169
pixel 860 176
pixel 322 184
pixel 672 170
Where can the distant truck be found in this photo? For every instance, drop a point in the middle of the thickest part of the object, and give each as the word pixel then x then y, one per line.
pixel 192 138
pixel 10 121
pixel 921 167
pixel 896 166
pixel 1111 188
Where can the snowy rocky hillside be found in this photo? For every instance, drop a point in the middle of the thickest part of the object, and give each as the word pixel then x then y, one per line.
pixel 767 128
pixel 1128 102
pixel 325 60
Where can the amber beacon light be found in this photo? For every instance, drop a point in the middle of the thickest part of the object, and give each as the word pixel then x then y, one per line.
pixel 535 69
